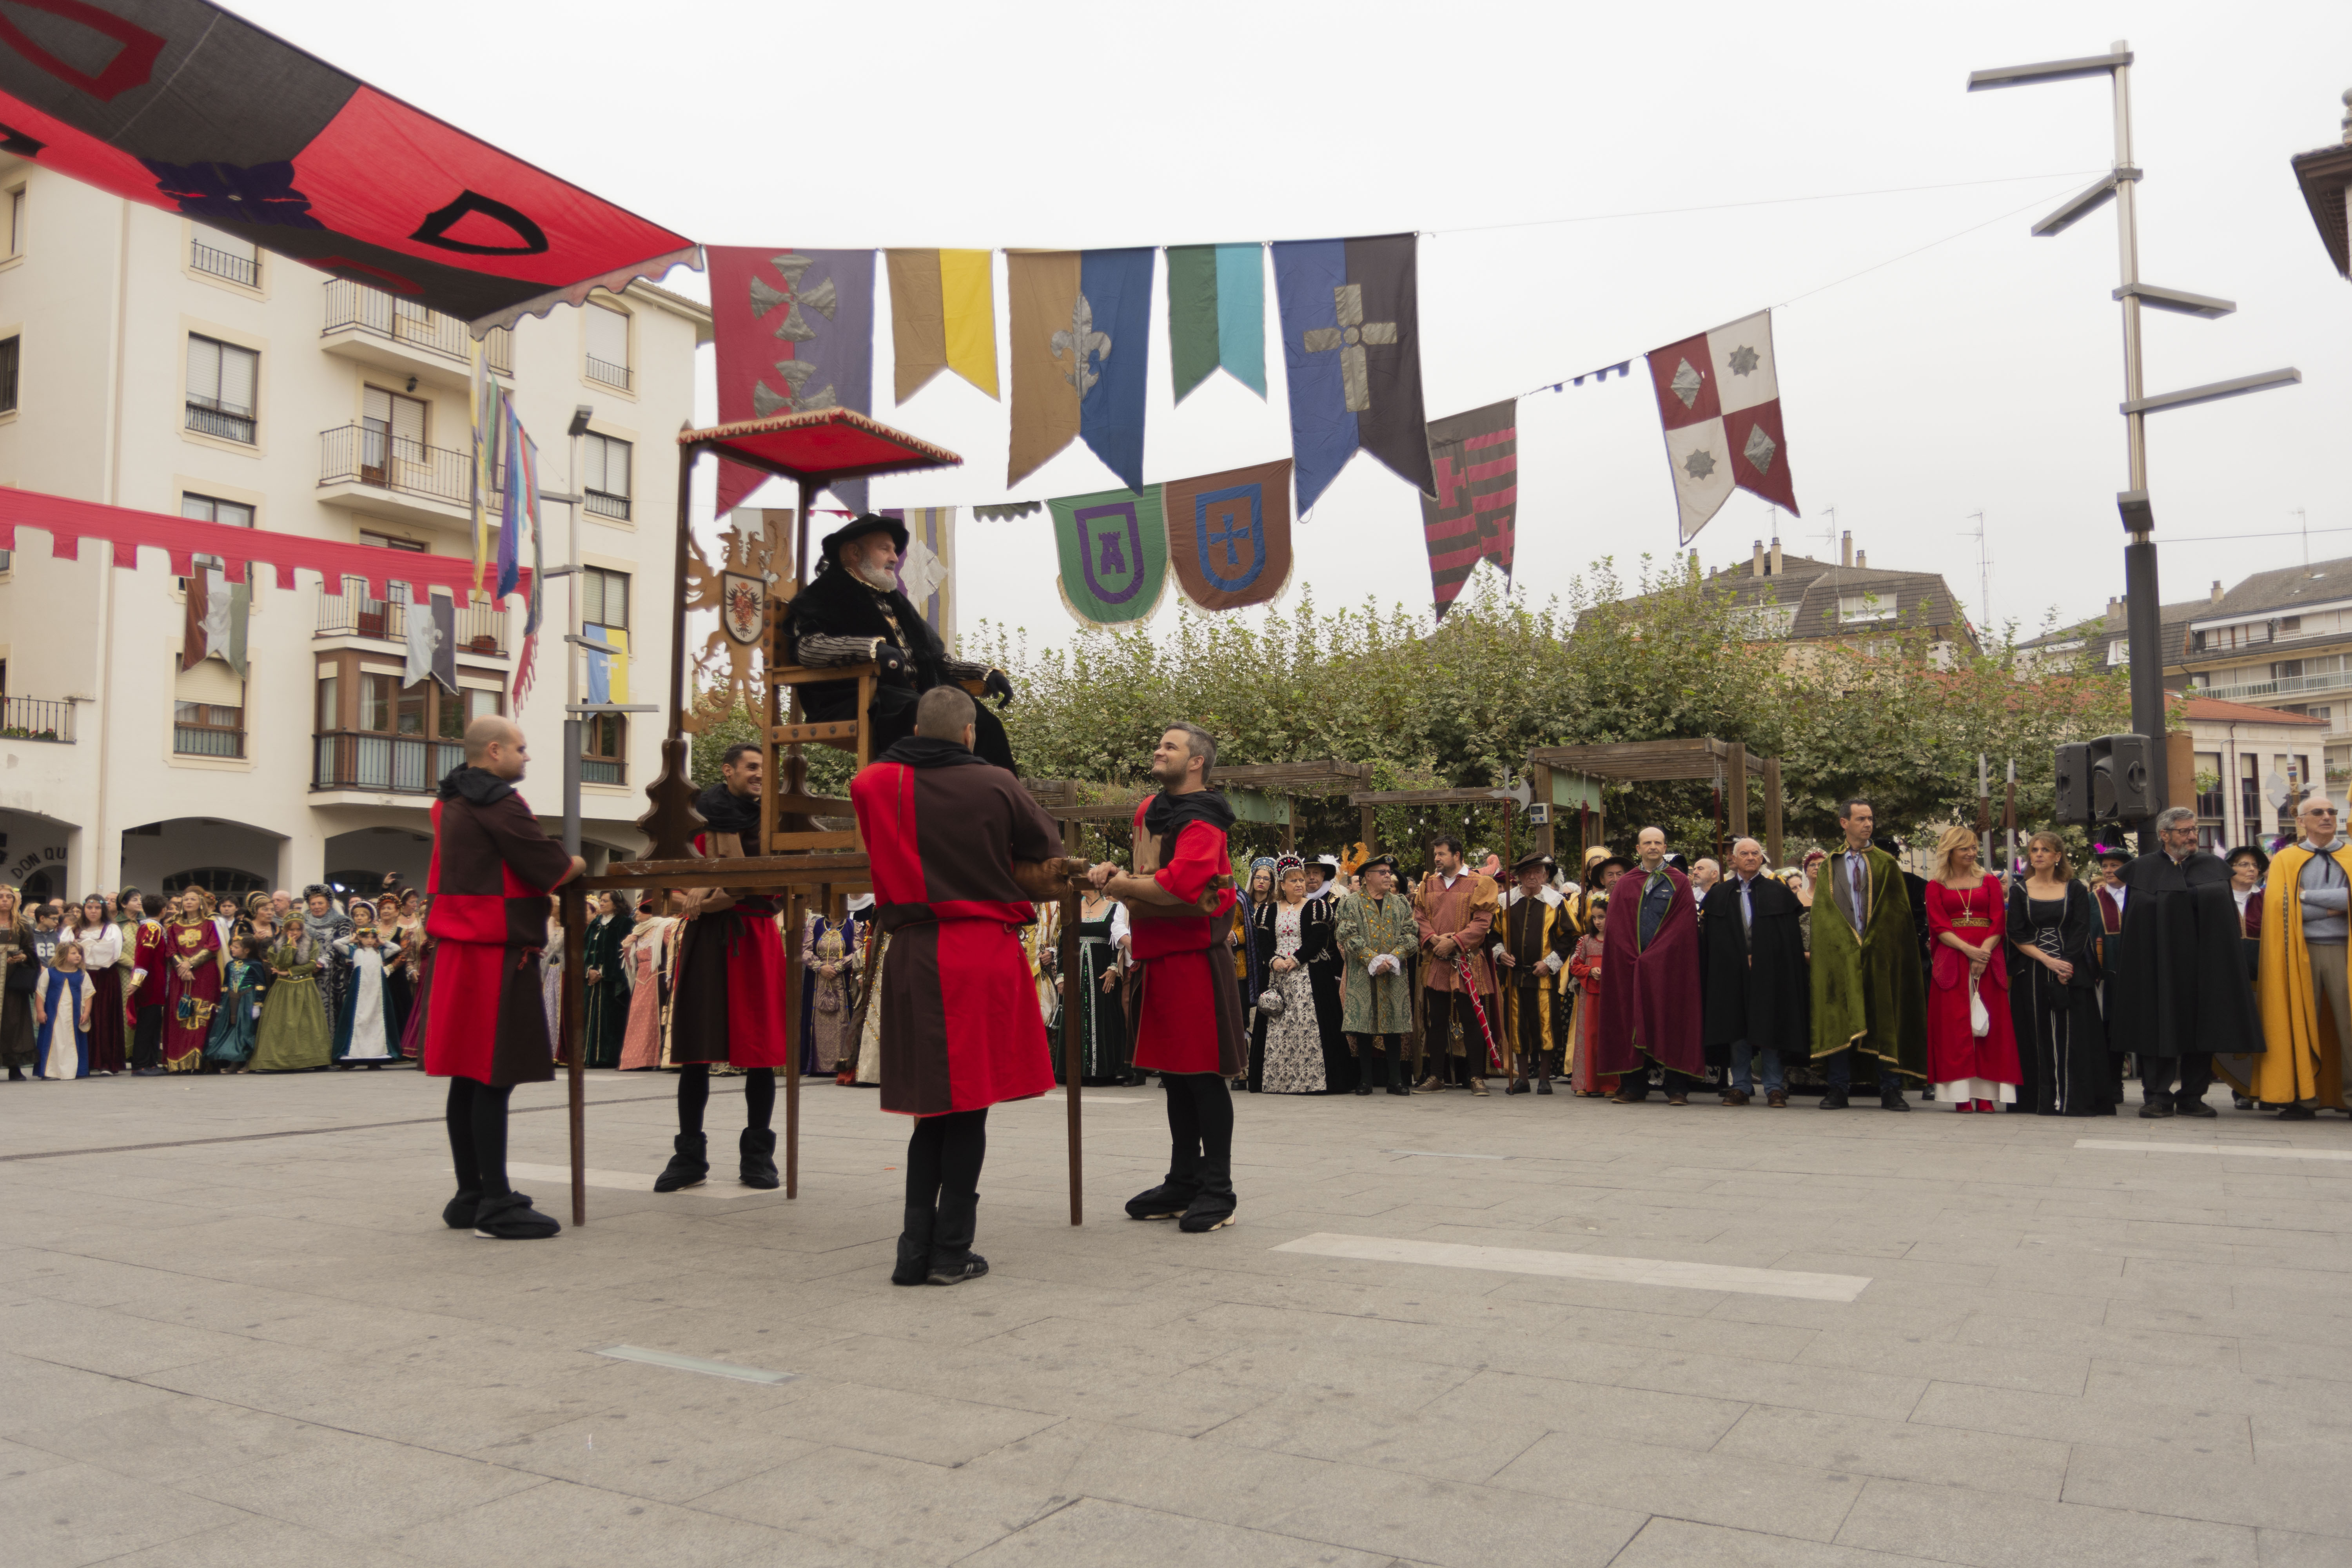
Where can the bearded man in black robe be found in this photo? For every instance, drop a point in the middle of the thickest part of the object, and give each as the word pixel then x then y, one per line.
pixel 2178 994
pixel 854 612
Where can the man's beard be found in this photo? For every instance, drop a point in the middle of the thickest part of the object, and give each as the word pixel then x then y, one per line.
pixel 1172 772
pixel 874 577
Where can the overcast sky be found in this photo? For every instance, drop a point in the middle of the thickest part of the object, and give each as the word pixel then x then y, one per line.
pixel 1980 374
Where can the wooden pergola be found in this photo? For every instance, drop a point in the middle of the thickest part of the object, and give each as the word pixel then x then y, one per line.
pixel 1729 764
pixel 1288 780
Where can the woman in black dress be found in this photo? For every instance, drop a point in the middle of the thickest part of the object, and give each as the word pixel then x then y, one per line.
pixel 2054 975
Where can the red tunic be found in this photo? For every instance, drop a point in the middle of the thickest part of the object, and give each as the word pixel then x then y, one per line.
pixel 485 1016
pixel 1650 1008
pixel 1189 1013
pixel 728 1003
pixel 188 1003
pixel 961 1028
pixel 1954 1051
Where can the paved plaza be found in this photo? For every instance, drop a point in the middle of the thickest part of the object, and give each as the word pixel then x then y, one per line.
pixel 1445 1331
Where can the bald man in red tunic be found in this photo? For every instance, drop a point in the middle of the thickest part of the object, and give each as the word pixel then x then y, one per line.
pixel 958 850
pixel 1180 903
pixel 485 1019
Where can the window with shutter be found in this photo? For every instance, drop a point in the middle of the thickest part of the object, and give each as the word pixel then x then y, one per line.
pixel 605 472
pixel 207 711
pixel 608 346
pixel 222 379
pixel 225 256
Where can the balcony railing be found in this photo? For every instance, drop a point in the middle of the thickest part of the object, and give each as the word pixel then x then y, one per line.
pixel 2331 680
pixel 352 308
pixel 207 729
pixel 362 454
pixel 608 373
pixel 351 614
pixel 244 269
pixel 603 771
pixel 602 503
pixel 36 719
pixel 209 416
pixel 398 764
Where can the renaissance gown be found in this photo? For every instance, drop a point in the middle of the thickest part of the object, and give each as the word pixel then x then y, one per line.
pixel 604 1004
pixel 18 1034
pixel 363 1019
pixel 64 1041
pixel 189 999
pixel 235 1020
pixel 1962 1064
pixel 1287 1051
pixel 102 957
pixel 2062 1042
pixel 1102 1022
pixel 826 1000
pixel 645 952
pixel 294 1035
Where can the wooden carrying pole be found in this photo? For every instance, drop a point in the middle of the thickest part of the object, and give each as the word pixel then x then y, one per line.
pixel 571 1017
pixel 1074 844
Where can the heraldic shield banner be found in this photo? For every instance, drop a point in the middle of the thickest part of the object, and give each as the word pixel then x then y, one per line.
pixel 1229 535
pixel 1114 552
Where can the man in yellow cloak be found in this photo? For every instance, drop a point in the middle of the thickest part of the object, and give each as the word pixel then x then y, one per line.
pixel 2306 973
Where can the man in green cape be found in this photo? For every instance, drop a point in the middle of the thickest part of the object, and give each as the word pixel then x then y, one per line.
pixel 1867 997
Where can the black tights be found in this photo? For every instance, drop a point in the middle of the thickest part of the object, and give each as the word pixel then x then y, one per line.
pixel 1200 1128
pixel 944 1155
pixel 694 1094
pixel 477 1115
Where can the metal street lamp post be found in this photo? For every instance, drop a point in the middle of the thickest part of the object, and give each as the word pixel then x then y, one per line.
pixel 2120 185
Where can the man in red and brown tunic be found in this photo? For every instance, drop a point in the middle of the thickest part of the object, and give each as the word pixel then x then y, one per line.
pixel 726 1007
pixel 1180 901
pixel 1455 908
pixel 485 1018
pixel 958 849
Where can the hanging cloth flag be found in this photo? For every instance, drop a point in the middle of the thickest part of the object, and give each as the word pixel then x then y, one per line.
pixel 214 627
pixel 942 317
pixel 512 507
pixel 488 430
pixel 1081 356
pixel 429 627
pixel 794 332
pixel 1008 510
pixel 1216 314
pixel 926 569
pixel 1474 515
pixel 608 673
pixel 1229 535
pixel 526 659
pixel 1114 551
pixel 1351 340
pixel 1719 399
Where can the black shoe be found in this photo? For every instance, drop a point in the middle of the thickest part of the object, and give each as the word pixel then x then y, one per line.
pixel 1834 1100
pixel 1399 1089
pixel 16 1075
pixel 1893 1100
pixel 1543 1085
pixel 1363 1089
pixel 1519 1085
pixel 457 1214
pixel 2241 1102
pixel 2154 1111
pixel 147 1072
pixel 914 1263
pixel 1209 1211
pixel 2291 1114
pixel 1168 1200
pixel 970 1265
pixel 689 1163
pixel 511 1218
pixel 759 1151
pixel 2196 1108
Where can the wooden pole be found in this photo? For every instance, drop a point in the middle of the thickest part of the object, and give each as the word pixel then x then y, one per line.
pixel 1074 843
pixel 1547 837
pixel 1738 765
pixel 795 914
pixel 1367 830
pixel 1772 810
pixel 571 1022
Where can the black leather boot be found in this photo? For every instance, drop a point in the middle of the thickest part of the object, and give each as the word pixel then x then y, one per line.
pixel 952 1259
pixel 457 1214
pixel 757 1146
pixel 1212 1207
pixel 914 1267
pixel 689 1163
pixel 511 1218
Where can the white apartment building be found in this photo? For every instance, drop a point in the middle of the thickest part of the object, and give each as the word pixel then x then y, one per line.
pixel 150 362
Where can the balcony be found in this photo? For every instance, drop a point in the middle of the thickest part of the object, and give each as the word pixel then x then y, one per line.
pixel 221 421
pixel 388 333
pixel 207 729
pixel 376 472
pixel 37 719
pixel 481 629
pixel 393 764
pixel 606 372
pixel 2283 686
pixel 242 270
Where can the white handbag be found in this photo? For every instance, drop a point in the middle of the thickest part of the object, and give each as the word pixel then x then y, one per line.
pixel 1979 1021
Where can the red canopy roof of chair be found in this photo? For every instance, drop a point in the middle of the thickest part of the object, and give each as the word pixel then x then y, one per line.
pixel 820 446
pixel 180 105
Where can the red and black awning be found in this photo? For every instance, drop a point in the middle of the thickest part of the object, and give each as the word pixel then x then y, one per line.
pixel 179 104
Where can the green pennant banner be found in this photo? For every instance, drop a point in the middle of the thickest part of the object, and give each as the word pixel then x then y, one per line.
pixel 1114 554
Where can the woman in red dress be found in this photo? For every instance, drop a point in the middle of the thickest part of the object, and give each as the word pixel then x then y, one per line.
pixel 1971 1068
pixel 192 981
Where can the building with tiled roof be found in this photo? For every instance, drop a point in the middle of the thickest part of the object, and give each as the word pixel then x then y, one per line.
pixel 1807 603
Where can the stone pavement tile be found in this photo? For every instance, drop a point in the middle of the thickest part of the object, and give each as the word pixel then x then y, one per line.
pixel 671 1456
pixel 1091 1531
pixel 558 1523
pixel 2303 1436
pixel 2287 1549
pixel 179 1439
pixel 72 1514
pixel 1809 1386
pixel 359 1489
pixel 2116 1422
pixel 453 1414
pixel 2293 1327
pixel 2273 1358
pixel 2034 1367
pixel 1680 1543
pixel 69 1277
pixel 1590 1409
pixel 1714 1487
pixel 253 1542
pixel 1363 1411
pixel 1901 1450
pixel 900 1509
pixel 96 1338
pixel 2152 1347
pixel 39 1400
pixel 935 1430
pixel 1955 1524
pixel 23 1459
pixel 2278 1492
pixel 2216 1388
pixel 1671 1331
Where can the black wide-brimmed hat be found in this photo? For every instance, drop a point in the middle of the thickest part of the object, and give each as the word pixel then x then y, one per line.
pixel 1379 860
pixel 1532 859
pixel 1619 861
pixel 858 527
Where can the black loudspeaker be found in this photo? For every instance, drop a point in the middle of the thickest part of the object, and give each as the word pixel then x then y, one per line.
pixel 2129 779
pixel 2075 785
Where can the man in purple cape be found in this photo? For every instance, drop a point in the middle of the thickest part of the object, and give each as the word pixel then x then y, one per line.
pixel 1650 1005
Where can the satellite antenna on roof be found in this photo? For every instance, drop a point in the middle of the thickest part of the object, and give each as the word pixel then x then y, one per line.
pixel 1984 572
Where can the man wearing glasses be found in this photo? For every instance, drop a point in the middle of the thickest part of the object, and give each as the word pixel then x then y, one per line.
pixel 2180 993
pixel 2306 976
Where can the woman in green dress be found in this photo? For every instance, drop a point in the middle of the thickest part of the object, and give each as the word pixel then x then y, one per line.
pixel 606 1001
pixel 294 1035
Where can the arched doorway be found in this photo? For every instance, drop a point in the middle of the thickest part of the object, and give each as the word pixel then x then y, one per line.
pixel 216 881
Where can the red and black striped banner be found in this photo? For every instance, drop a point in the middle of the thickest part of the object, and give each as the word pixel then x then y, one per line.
pixel 1473 517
